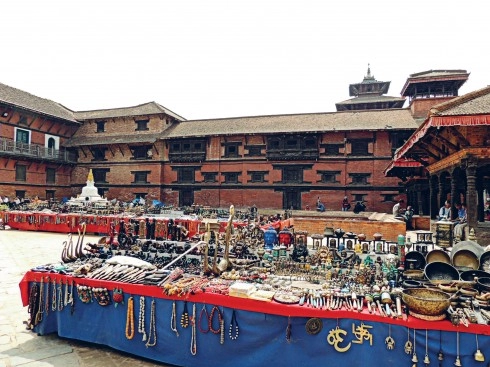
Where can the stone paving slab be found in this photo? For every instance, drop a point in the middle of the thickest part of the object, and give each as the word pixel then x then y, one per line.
pixel 19 252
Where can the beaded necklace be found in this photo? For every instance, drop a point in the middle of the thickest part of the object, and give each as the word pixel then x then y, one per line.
pixel 141 318
pixel 53 298
pixel 173 320
pixel 193 334
pixel 46 301
pixel 130 319
pixel 222 328
pixel 32 309
pixel 40 307
pixel 204 313
pixel 60 296
pixel 184 318
pixel 288 330
pixel 214 310
pixel 233 327
pixel 152 334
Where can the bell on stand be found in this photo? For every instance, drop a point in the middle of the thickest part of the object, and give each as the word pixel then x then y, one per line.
pixel 457 362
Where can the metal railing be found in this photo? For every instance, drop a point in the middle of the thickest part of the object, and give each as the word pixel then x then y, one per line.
pixel 34 151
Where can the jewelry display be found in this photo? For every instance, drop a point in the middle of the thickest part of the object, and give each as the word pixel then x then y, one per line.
pixel 204 313
pixel 408 345
pixel 54 304
pixel 152 334
pixel 141 318
pixel 184 318
pixel 33 307
pixel 84 293
pixel 40 310
pixel 233 331
pixel 101 295
pixel 117 296
pixel 173 320
pixel 222 328
pixel 193 331
pixel 389 341
pixel 314 326
pixel 130 319
pixel 60 297
pixel 48 299
pixel 215 310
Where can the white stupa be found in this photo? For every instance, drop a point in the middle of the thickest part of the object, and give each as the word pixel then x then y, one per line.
pixel 89 195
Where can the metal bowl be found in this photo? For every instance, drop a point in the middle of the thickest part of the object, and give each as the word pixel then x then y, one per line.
pixel 485 261
pixel 465 259
pixel 425 301
pixel 414 260
pixel 439 272
pixel 470 275
pixel 483 284
pixel 438 255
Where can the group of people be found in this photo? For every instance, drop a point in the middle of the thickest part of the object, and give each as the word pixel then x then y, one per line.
pixel 345 206
pixel 460 222
pixel 405 214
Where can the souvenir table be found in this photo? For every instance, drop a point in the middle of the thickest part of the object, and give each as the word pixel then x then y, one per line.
pixel 223 330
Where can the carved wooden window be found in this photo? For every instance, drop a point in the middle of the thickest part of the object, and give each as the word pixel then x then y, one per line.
pixel 210 176
pixel 100 175
pixel 257 176
pixel 141 125
pixel 360 178
pixel 254 150
pixel 292 175
pixel 50 175
pixel 231 177
pixel 140 177
pixel 20 172
pixel 140 151
pixel 231 151
pixel 187 151
pixel 98 153
pixel 359 197
pixel 185 175
pixel 100 126
pixel 388 197
pixel 328 176
pixel 360 147
pixel 333 149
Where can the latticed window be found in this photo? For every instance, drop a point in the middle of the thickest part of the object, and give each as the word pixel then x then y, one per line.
pixel 50 175
pixel 292 175
pixel 20 173
pixel 141 125
pixel 141 177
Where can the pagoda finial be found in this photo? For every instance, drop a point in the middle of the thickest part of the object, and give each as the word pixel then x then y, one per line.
pixel 90 176
pixel 369 71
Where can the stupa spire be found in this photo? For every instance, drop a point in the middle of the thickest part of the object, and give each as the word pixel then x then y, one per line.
pixel 90 176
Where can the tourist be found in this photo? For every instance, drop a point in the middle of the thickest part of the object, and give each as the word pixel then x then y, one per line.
pixel 359 207
pixel 345 204
pixel 461 221
pixel 397 209
pixel 445 211
pixel 407 217
pixel 319 205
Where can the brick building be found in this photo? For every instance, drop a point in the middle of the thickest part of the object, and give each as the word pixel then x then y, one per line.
pixel 278 161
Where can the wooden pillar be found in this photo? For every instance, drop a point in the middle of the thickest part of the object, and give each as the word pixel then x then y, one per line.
pixel 481 198
pixel 420 203
pixel 454 194
pixel 471 195
pixel 434 208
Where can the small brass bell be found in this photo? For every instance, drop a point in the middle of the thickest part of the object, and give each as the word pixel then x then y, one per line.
pixel 440 356
pixel 414 358
pixel 457 362
pixel 479 357
pixel 426 359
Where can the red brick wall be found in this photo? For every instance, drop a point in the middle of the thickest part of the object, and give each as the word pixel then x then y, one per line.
pixel 389 230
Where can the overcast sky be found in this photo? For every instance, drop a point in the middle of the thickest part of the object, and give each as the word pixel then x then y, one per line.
pixel 226 58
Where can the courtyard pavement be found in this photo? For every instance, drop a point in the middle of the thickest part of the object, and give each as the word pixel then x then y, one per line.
pixel 19 252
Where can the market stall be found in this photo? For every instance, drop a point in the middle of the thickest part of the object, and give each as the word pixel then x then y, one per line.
pixel 233 300
pixel 233 331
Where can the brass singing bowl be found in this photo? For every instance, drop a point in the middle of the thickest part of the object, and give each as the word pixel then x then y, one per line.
pixel 426 301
